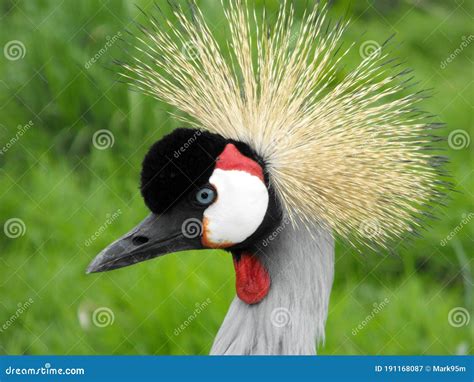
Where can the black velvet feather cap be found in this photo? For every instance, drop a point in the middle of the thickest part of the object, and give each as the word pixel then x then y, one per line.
pixel 181 162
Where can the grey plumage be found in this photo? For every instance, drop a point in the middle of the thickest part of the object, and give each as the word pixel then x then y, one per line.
pixel 291 319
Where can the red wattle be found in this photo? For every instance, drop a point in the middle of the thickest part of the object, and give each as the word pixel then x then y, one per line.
pixel 252 280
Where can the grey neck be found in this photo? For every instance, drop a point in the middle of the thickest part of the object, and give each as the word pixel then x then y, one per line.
pixel 291 318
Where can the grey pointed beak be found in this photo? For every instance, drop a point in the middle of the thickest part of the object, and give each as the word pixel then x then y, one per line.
pixel 153 237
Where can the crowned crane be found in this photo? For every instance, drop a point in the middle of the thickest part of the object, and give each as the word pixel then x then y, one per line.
pixel 279 158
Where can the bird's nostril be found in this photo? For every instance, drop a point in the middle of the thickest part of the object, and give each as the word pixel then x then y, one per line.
pixel 139 240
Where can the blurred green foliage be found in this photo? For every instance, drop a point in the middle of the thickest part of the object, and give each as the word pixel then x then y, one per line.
pixel 63 189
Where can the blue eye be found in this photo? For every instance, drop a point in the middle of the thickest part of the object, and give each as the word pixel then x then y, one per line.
pixel 205 196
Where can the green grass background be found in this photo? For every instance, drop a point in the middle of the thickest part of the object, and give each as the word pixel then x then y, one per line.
pixel 55 181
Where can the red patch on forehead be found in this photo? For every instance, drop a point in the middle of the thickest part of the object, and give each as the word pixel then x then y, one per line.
pixel 232 159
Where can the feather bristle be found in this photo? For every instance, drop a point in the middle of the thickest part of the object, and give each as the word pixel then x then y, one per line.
pixel 353 156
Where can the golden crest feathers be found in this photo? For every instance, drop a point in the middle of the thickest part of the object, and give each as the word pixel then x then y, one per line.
pixel 352 154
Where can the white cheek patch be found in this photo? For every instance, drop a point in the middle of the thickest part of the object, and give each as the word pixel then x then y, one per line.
pixel 241 205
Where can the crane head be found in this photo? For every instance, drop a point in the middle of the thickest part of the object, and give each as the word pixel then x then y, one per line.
pixel 204 192
pixel 288 131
